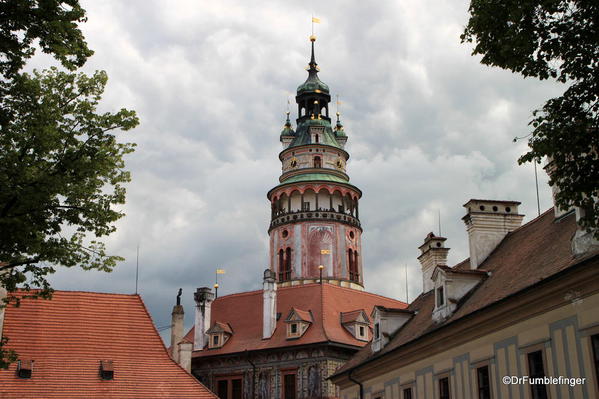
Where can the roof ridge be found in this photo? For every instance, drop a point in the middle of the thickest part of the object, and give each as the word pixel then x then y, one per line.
pixel 23 291
pixel 236 294
pixel 372 294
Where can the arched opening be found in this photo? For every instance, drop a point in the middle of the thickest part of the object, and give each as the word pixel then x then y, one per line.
pixel 281 265
pixel 309 200
pixel 356 269
pixel 295 201
pixel 323 199
pixel 283 203
pixel 350 263
pixel 337 202
pixel 320 251
pixel 287 274
pixel 317 160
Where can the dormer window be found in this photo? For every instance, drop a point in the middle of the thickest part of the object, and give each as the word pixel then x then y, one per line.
pixel 218 335
pixel 298 322
pixel 386 323
pixel 357 323
pixel 450 286
pixel 440 297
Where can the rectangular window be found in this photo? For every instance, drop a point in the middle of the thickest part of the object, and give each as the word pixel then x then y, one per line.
pixel 595 345
pixel 306 206
pixel 444 388
pixel 377 331
pixel 229 387
pixel 294 328
pixel 362 331
pixel 536 369
pixel 440 297
pixel 222 389
pixel 482 376
pixel 289 386
pixel 407 393
pixel 236 389
pixel 215 340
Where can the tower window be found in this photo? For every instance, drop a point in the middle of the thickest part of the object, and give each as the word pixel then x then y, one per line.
pixel 317 162
pixel 377 331
pixel 316 138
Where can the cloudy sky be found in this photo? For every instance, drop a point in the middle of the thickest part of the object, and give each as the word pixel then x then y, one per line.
pixel 429 127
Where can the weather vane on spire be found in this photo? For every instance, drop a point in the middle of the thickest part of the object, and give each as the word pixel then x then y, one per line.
pixel 314 21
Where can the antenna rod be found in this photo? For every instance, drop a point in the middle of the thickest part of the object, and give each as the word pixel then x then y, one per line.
pixel 407 296
pixel 439 219
pixel 537 185
pixel 137 269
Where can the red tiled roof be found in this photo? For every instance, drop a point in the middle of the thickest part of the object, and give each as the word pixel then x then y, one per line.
pixel 70 334
pixel 325 302
pixel 528 255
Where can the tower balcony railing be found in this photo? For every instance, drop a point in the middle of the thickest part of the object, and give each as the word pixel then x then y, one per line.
pixel 283 217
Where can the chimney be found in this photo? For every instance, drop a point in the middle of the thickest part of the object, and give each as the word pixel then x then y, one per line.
pixel 203 298
pixel 433 253
pixel 269 304
pixel 487 223
pixel 184 349
pixel 177 317
pixel 559 212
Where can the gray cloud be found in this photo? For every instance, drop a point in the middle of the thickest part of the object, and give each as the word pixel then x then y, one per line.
pixel 429 128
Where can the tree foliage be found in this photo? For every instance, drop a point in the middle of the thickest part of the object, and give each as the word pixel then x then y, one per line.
pixel 62 171
pixel 552 39
pixel 53 23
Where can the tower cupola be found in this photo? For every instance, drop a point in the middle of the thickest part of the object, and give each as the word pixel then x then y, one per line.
pixel 315 226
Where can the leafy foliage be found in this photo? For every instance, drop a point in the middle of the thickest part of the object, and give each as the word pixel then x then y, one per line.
pixel 552 39
pixel 62 171
pixel 52 23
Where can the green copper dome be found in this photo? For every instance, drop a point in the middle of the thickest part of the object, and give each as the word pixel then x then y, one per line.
pixel 287 130
pixel 312 84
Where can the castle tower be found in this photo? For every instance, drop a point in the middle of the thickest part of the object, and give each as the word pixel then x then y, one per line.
pixel 315 222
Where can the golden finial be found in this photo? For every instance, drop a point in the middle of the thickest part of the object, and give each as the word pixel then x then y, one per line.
pixel 320 267
pixel 312 38
pixel 312 116
pixel 215 285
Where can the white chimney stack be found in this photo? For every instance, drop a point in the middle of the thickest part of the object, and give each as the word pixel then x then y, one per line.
pixel 203 298
pixel 433 253
pixel 487 223
pixel 269 304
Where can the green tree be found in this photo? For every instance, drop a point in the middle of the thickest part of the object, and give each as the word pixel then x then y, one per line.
pixel 552 39
pixel 61 170
pixel 61 166
pixel 52 23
